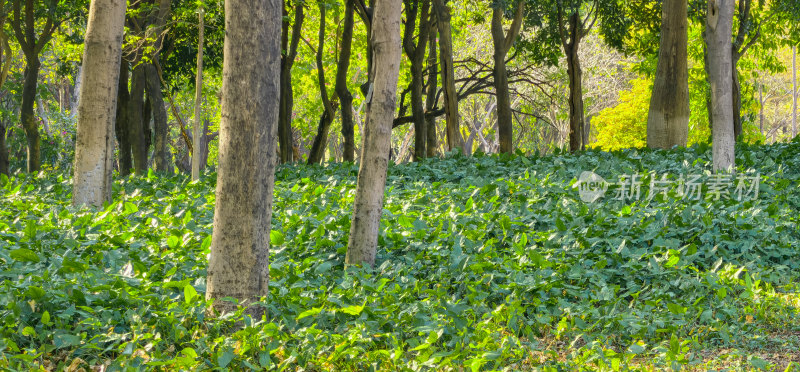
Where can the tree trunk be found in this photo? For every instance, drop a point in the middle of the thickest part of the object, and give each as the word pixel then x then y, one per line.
pixel 794 91
pixel 454 139
pixel 239 261
pixel 28 118
pixel 719 23
pixel 432 142
pixel 328 105
pixel 287 93
pixel 94 147
pixel 576 120
pixel 736 98
pixel 161 153
pixel 136 123
pixel 121 124
pixel 345 97
pixel 197 130
pixel 502 43
pixel 3 151
pixel 368 205
pixel 416 54
pixel 668 119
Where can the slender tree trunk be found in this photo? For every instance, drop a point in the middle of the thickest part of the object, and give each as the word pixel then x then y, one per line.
pixel 121 124
pixel 136 124
pixel 576 119
pixel 161 154
pixel 416 54
pixel 328 104
pixel 287 94
pixel 668 119
pixel 794 91
pixel 3 151
pixel 197 130
pixel 94 147
pixel 761 108
pixel 736 98
pixel 430 101
pixel 719 23
pixel 345 97
pixel 368 205
pixel 28 117
pixel 502 44
pixel 454 139
pixel 239 261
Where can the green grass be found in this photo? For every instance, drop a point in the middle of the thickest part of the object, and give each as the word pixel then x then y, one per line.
pixel 485 263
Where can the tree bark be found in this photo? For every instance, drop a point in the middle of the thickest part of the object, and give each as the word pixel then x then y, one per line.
pixel 345 97
pixel 368 205
pixel 576 119
pixel 287 93
pixel 94 147
pixel 719 24
pixel 668 119
pixel 161 154
pixel 197 130
pixel 121 124
pixel 454 139
pixel 136 124
pixel 239 261
pixel 432 142
pixel 28 117
pixel 328 104
pixel 3 151
pixel 502 44
pixel 794 91
pixel 416 54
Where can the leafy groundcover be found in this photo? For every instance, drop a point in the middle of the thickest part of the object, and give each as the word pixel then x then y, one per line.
pixel 485 263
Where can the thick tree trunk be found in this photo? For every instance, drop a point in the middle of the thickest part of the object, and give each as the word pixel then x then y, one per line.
pixel 502 43
pixel 239 261
pixel 94 147
pixel 454 139
pixel 287 94
pixel 197 130
pixel 28 117
pixel 121 124
pixel 161 153
pixel 368 205
pixel 432 142
pixel 136 124
pixel 576 119
pixel 345 97
pixel 719 23
pixel 328 104
pixel 668 119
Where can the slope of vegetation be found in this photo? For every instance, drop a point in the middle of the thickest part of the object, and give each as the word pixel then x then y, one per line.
pixel 497 265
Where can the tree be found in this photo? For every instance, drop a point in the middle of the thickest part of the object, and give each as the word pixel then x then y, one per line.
pixel 5 62
pixel 453 131
pixel 668 118
pixel 415 50
pixel 197 130
pixel 368 205
pixel 329 103
pixel 32 39
pixel 502 44
pixel 239 261
pixel 94 147
pixel 345 97
pixel 719 25
pixel 562 25
pixel 287 93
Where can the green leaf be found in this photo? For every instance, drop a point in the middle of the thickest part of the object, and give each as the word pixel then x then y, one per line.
pixel 46 318
pixel 310 312
pixel 24 255
pixel 276 238
pixel 189 294
pixel 225 358
pixel 352 310
pixel 28 332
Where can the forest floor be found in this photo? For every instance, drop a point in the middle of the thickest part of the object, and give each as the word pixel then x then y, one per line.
pixel 485 263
